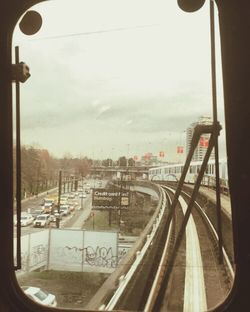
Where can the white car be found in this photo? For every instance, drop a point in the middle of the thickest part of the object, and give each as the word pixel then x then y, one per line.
pixel 47 208
pixel 42 220
pixel 56 215
pixel 64 198
pixel 65 210
pixel 82 195
pixel 26 219
pixel 40 296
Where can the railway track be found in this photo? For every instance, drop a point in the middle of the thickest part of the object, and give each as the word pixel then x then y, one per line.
pixel 174 272
pixel 195 281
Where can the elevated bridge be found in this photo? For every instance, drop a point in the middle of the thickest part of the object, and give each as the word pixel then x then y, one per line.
pixel 116 171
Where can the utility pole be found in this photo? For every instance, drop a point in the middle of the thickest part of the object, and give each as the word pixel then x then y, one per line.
pixel 93 219
pixel 19 73
pixel 110 216
pixel 120 203
pixel 59 199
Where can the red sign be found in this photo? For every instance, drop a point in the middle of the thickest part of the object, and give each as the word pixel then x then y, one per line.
pixel 161 154
pixel 204 142
pixel 180 149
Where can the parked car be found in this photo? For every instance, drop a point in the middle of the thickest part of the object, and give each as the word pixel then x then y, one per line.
pixel 40 296
pixel 42 220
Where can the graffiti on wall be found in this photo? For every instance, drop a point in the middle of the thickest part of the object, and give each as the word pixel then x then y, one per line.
pixel 71 250
pixel 24 261
pixel 98 256
pixel 38 255
pixel 34 258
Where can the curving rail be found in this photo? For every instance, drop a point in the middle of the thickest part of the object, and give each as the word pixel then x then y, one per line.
pixel 159 275
pixel 125 279
pixel 225 255
pixel 195 292
pixel 195 297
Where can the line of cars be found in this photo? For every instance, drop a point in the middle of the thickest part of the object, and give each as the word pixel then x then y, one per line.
pixel 49 211
pixel 37 220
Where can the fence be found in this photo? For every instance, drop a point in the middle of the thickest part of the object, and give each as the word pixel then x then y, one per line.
pixel 69 250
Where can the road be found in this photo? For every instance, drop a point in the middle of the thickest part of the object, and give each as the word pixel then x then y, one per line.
pixel 74 220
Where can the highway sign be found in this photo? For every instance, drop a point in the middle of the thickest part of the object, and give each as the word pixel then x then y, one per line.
pixel 110 198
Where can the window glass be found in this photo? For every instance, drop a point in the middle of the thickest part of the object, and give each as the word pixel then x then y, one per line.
pixel 41 295
pixel 116 91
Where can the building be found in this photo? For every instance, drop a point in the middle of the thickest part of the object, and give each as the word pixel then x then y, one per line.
pixel 201 149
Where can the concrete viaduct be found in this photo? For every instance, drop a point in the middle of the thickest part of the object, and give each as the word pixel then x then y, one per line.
pixel 130 173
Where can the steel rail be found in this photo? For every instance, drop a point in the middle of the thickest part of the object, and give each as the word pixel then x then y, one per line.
pixel 158 277
pixel 228 263
pixel 194 290
pixel 125 279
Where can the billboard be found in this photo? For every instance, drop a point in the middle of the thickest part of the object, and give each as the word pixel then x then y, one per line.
pixel 110 198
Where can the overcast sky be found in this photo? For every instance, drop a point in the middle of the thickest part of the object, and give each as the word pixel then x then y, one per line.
pixel 112 78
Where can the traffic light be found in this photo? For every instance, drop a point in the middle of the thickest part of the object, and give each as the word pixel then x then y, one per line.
pixel 20 72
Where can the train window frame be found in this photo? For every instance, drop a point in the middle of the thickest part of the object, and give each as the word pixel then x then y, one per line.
pixel 234 25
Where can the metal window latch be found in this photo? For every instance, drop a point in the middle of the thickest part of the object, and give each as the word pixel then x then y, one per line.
pixel 20 72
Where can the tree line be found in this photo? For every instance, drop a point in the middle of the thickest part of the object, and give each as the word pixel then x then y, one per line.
pixel 40 170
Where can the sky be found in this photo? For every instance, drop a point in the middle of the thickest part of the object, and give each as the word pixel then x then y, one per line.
pixel 113 78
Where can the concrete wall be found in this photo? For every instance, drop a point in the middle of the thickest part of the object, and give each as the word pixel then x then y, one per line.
pixel 34 251
pixel 69 250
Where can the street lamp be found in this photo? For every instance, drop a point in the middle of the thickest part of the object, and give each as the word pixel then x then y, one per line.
pixel 82 195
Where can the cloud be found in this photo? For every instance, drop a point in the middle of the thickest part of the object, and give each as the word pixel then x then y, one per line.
pixel 115 88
